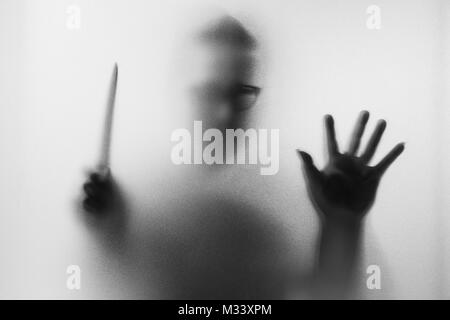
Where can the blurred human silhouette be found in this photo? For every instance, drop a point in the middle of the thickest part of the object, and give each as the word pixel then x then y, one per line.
pixel 216 245
pixel 219 246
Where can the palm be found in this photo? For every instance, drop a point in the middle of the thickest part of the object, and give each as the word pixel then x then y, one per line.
pixel 347 185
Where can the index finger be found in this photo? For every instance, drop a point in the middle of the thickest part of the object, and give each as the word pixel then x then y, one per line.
pixel 331 136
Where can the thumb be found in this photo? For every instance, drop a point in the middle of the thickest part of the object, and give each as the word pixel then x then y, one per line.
pixel 311 171
pixel 104 171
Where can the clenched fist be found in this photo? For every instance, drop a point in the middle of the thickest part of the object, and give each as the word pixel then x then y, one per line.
pixel 100 192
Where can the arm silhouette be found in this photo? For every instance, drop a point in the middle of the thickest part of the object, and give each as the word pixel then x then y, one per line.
pixel 342 194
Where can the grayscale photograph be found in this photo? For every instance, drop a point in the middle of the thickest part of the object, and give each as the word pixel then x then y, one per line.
pixel 224 150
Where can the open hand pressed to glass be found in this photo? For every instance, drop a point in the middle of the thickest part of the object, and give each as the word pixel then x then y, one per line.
pixel 342 193
pixel 347 186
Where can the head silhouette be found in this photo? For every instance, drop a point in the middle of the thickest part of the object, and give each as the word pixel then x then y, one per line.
pixel 222 79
